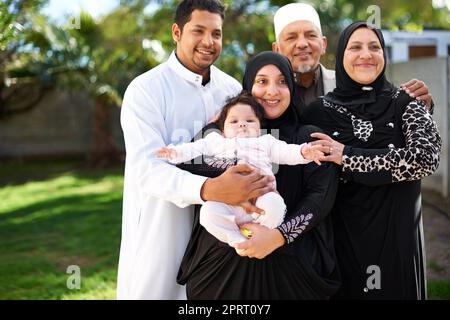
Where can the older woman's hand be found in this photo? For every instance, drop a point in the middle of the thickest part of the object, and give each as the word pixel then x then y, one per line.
pixel 331 147
pixel 262 243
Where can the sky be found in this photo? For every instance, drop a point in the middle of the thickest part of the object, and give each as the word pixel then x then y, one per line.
pixel 60 9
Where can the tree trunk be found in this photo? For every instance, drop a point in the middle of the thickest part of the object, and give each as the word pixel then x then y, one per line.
pixel 104 151
pixel 2 100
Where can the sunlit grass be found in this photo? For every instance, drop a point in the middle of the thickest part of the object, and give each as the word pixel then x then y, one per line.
pixel 53 216
pixel 66 217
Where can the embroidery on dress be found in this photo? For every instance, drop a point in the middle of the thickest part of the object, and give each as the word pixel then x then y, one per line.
pixel 395 96
pixel 294 227
pixel 220 163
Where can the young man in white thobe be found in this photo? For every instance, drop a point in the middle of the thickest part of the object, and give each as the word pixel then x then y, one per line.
pixel 169 104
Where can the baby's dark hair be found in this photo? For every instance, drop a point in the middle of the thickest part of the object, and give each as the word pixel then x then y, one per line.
pixel 244 98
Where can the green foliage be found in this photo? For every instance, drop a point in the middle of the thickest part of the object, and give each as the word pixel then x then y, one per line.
pixel 14 22
pixel 248 27
pixel 103 56
pixel 97 58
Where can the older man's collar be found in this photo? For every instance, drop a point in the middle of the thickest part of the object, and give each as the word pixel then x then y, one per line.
pixel 305 83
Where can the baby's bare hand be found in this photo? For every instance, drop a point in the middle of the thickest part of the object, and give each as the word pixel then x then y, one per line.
pixel 313 153
pixel 166 153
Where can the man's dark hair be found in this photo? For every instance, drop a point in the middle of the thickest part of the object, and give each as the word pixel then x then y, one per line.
pixel 186 7
pixel 244 98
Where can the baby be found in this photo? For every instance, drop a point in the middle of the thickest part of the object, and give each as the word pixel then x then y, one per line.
pixel 240 124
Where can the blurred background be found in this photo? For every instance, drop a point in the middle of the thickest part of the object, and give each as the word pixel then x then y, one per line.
pixel 64 67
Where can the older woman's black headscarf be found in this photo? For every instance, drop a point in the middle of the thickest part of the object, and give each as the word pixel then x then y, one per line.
pixel 365 101
pixel 290 117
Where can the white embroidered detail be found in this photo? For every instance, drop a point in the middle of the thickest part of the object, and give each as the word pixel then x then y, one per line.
pixel 220 163
pixel 293 228
pixel 395 96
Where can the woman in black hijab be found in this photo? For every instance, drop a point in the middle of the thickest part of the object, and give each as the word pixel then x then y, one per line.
pixel 385 142
pixel 304 267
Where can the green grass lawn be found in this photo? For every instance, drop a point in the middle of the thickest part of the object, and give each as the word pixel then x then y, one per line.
pixel 61 217
pixel 56 215
pixel 439 289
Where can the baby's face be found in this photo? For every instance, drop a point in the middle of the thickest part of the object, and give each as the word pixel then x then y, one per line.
pixel 241 122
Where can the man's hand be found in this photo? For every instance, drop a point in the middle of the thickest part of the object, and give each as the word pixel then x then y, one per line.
pixel 237 186
pixel 418 89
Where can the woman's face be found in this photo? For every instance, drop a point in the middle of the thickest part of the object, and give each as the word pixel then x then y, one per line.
pixel 363 56
pixel 271 91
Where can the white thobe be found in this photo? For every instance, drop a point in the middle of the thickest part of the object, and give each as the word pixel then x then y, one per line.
pixel 165 105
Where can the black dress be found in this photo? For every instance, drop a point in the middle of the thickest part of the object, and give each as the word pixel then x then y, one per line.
pixel 305 267
pixel 301 269
pixel 377 213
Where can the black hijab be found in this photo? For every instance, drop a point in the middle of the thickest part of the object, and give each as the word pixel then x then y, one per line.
pixel 364 101
pixel 287 122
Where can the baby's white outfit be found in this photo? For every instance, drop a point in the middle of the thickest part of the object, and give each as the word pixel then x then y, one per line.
pixel 222 220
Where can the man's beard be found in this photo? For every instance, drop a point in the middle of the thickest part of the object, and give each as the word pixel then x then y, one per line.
pixel 304 69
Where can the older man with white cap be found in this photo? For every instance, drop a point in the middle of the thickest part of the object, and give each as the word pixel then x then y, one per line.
pixel 299 37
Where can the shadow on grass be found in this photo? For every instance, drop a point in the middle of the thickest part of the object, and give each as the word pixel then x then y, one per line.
pixel 38 242
pixel 439 289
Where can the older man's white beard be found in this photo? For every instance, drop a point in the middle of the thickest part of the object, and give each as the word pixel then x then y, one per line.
pixel 304 69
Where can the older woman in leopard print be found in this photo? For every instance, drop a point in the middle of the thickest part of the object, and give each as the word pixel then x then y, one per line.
pixel 385 142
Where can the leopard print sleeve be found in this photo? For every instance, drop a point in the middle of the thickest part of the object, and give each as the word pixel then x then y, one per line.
pixel 418 159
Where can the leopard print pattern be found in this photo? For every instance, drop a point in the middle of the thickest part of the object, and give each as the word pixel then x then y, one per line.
pixel 420 157
pixel 362 129
pixel 292 228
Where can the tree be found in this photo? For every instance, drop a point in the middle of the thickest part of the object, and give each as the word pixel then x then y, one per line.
pixel 248 27
pixel 102 57
pixel 16 46
pixel 99 59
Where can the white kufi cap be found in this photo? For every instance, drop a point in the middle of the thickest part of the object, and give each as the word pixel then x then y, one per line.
pixel 294 12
